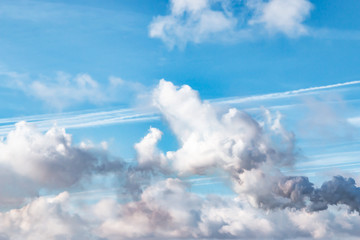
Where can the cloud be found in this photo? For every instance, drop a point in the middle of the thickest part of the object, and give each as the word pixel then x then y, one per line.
pixel 64 90
pixel 191 21
pixel 148 156
pixel 233 141
pixel 43 218
pixel 48 160
pixel 325 121
pixel 167 210
pixel 155 191
pixel 251 153
pixel 281 16
pixel 286 94
pixel 204 20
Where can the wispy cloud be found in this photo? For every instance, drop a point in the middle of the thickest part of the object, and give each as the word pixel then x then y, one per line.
pixel 64 90
pixel 354 121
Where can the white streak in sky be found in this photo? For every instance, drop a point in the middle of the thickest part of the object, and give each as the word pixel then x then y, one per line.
pixel 79 119
pixel 293 93
pixel 91 119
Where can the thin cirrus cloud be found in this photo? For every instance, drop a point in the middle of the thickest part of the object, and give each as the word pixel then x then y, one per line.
pixel 246 152
pixel 64 90
pixel 205 20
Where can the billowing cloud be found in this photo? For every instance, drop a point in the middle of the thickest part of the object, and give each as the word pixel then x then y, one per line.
pixel 43 218
pixel 250 152
pixel 204 20
pixel 167 210
pixel 48 160
pixel 157 201
pixel 148 155
pixel 232 141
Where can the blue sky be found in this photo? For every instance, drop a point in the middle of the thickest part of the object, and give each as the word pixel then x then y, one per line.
pixel 94 69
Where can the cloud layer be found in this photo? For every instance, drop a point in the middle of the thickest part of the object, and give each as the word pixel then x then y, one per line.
pixel 167 210
pixel 156 198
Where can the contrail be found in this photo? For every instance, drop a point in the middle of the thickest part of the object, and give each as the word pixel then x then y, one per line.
pixel 79 119
pixel 83 119
pixel 234 100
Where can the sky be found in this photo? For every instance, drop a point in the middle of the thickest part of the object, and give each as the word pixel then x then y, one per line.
pixel 179 119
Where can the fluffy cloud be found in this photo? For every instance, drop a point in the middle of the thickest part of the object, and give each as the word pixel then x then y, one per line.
pixel 157 203
pixel 44 218
pixel 191 21
pixel 148 155
pixel 201 20
pixel 250 152
pixel 48 160
pixel 281 16
pixel 233 141
pixel 167 210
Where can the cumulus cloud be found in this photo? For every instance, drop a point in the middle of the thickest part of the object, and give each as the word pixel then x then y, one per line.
pixel 148 155
pixel 233 141
pixel 43 218
pixel 203 20
pixel 167 210
pixel 158 202
pixel 46 160
pixel 250 152
pixel 191 21
pixel 281 16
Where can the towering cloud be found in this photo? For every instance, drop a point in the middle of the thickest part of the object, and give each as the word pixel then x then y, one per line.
pixel 232 141
pixel 250 152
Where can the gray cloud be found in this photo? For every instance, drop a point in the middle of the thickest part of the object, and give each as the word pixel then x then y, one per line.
pixel 338 190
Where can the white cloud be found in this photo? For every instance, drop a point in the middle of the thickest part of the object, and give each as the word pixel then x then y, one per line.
pixel 211 140
pixel 45 161
pixel 44 218
pixel 233 141
pixel 148 155
pixel 64 90
pixel 191 21
pixel 205 20
pixel 281 16
pixel 251 153
pixel 167 210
